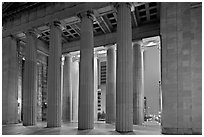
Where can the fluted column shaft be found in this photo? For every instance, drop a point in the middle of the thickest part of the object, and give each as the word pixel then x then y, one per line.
pixel 54 78
pixel 124 84
pixel 138 86
pixel 111 85
pixel 9 80
pixel 86 74
pixel 30 82
pixel 20 83
pixel 95 87
pixel 67 90
pixel 75 90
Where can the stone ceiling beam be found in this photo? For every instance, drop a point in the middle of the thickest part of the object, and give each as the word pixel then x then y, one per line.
pixel 34 21
pixel 110 38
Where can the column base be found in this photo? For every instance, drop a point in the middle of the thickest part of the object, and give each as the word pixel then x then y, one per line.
pixel 137 123
pixel 110 122
pixel 89 128
pixel 53 126
pixel 124 131
pixel 5 122
pixel 29 124
pixel 66 121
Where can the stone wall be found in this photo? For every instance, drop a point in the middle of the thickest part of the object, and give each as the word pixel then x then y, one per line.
pixel 181 33
pixel 9 81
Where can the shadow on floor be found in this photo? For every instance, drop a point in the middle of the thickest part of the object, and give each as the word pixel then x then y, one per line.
pixel 72 129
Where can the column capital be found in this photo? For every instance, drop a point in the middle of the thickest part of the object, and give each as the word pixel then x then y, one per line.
pixel 53 23
pixel 89 14
pixel 128 4
pixel 33 32
pixel 111 47
pixel 56 23
pixel 59 24
pixel 67 55
pixel 140 44
pixel 95 54
pixel 30 31
pixel 63 59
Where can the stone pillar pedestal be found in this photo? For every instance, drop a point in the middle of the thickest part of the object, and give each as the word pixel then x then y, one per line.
pixel 124 83
pixel 86 74
pixel 30 82
pixel 54 78
pixel 111 85
pixel 67 90
pixel 9 80
pixel 138 86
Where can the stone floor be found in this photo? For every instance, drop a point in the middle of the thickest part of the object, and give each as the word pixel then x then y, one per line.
pixel 148 128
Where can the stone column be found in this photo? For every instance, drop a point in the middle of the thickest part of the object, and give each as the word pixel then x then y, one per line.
pixel 54 78
pixel 75 90
pixel 95 86
pixel 62 83
pixel 138 86
pixel 30 82
pixel 9 80
pixel 67 90
pixel 111 85
pixel 20 78
pixel 86 73
pixel 39 91
pixel 124 83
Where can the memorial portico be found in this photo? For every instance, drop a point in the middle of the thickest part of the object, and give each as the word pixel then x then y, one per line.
pixel 81 87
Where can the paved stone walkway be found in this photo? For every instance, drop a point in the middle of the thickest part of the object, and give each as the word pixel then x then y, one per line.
pixel 148 128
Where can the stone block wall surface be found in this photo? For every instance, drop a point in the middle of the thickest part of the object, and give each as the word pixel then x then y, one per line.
pixel 9 80
pixel 181 32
